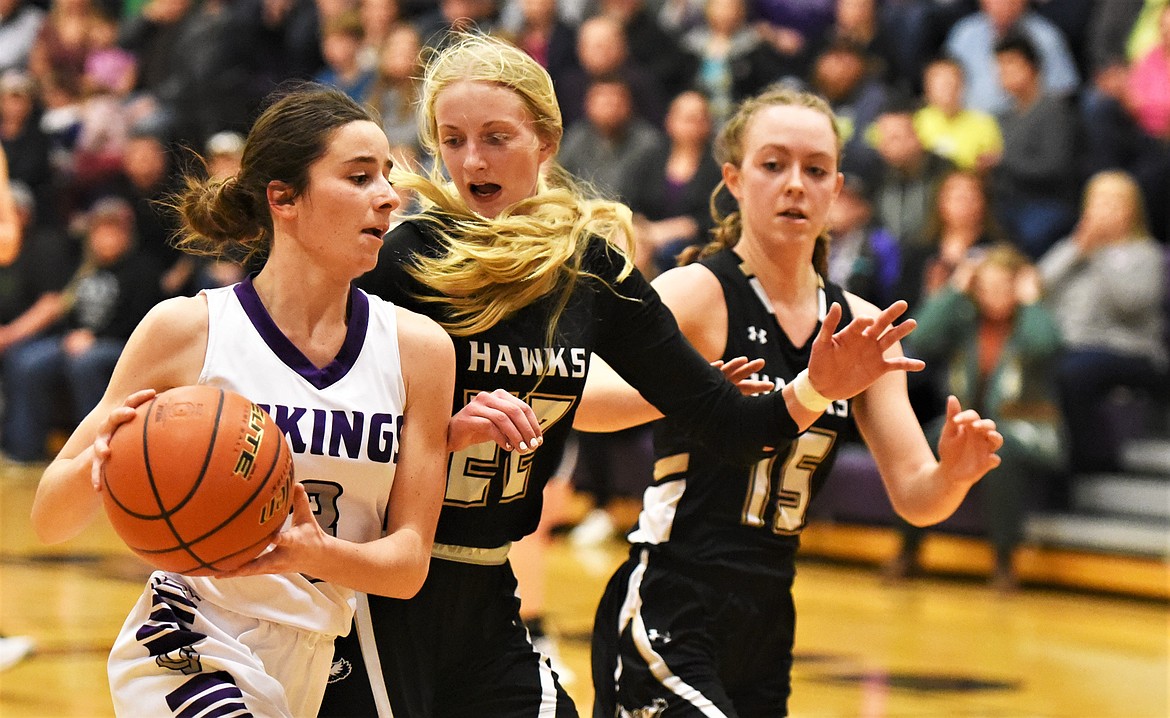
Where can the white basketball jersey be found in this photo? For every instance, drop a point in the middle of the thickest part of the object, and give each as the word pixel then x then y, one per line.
pixel 342 422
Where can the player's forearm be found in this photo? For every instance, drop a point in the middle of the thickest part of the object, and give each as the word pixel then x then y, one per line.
pixel 610 404
pixel 394 566
pixel 65 501
pixel 930 496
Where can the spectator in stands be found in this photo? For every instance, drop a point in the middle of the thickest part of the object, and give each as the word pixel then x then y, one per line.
pixel 973 39
pixel 66 38
pixel 341 40
pixel 1149 83
pixel 864 257
pixel 858 23
pixel 997 345
pixel 841 74
pixel 670 200
pixel 546 36
pixel 1110 134
pixel 106 298
pixel 650 45
pixel 25 144
pixel 395 90
pixel 147 178
pixel 30 306
pixel 1105 283
pixel 282 36
pixel 732 61
pixel 968 138
pixel 103 126
pixel 678 17
pixel 611 143
pixel 907 174
pixel 11 234
pixel 961 225
pixel 194 65
pixel 20 23
pixel 792 27
pixel 602 51
pixel 224 152
pixel 1034 180
pixel 920 27
pixel 458 15
pixel 378 18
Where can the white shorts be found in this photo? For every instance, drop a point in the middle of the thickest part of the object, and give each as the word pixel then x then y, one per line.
pixel 180 656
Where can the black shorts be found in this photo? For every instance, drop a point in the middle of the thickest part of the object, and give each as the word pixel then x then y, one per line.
pixel 669 644
pixel 457 649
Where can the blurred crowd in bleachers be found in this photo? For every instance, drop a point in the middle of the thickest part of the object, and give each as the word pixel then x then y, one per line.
pixel 968 125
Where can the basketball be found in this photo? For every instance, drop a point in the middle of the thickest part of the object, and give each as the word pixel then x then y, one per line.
pixel 199 481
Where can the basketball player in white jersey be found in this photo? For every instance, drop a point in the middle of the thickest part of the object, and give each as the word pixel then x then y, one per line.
pixel 360 388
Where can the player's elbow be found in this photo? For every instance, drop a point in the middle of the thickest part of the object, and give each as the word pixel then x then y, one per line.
pixel 410 572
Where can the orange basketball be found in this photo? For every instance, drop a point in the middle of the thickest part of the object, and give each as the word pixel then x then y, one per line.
pixel 199 481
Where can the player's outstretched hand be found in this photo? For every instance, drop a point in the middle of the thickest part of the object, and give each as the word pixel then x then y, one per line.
pixel 295 548
pixel 845 363
pixel 117 417
pixel 739 371
pixel 967 445
pixel 495 416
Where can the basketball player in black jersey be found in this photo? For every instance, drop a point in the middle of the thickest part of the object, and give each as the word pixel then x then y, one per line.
pixel 527 277
pixel 699 621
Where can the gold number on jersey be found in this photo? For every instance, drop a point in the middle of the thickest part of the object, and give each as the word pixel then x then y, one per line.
pixel 789 495
pixel 471 470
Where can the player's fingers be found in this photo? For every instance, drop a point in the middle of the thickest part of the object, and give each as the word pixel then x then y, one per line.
pixel 859 327
pixel 301 509
pixel 741 368
pixel 522 418
pixel 905 364
pixel 829 323
pixel 139 398
pixel 896 334
pixel 887 316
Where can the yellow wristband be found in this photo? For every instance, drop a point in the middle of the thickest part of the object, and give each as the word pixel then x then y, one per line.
pixel 807 395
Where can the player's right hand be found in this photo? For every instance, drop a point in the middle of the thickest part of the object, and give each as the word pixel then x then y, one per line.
pixel 101 443
pixel 497 416
pixel 845 363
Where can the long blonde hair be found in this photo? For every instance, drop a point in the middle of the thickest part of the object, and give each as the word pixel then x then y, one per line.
pixel 496 266
pixel 729 149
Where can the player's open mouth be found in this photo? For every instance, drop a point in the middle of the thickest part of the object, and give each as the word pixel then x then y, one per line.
pixel 793 214
pixel 378 232
pixel 485 189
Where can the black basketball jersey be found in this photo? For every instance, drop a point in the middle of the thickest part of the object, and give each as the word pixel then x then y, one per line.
pixel 721 517
pixel 494 496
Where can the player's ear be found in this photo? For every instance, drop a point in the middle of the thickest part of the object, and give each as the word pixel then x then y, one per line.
pixel 280 195
pixel 731 178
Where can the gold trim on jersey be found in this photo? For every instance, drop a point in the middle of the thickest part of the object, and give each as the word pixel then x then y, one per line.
pixel 671 465
pixel 468 554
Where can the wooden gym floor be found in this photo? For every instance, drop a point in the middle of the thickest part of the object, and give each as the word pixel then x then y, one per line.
pixel 929 647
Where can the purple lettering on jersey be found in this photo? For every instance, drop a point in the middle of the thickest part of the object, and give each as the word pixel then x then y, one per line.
pixel 347 432
pixel 287 419
pixel 318 444
pixel 381 445
pixel 341 431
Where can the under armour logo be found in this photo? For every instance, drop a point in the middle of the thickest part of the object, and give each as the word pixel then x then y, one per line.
pixel 656 637
pixel 185 659
pixel 758 335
